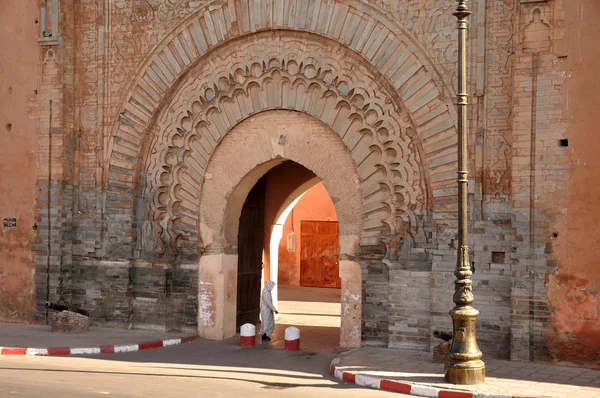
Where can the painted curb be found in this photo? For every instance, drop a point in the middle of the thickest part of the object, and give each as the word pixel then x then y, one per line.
pixel 105 349
pixel 419 390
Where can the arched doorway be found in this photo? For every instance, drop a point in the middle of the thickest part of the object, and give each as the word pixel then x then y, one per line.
pixel 276 233
pixel 305 265
pixel 312 234
pixel 392 139
pixel 310 149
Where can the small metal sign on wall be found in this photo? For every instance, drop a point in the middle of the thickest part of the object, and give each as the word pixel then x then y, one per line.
pixel 10 223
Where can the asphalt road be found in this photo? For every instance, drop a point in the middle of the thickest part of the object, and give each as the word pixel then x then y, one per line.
pixel 197 369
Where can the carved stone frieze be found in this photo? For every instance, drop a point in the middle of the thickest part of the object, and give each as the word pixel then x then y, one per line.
pixel 273 73
pixel 90 68
pixel 139 25
pixel 396 79
pixel 144 27
pixel 431 23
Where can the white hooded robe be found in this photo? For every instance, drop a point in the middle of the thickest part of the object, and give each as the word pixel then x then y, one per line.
pixel 267 309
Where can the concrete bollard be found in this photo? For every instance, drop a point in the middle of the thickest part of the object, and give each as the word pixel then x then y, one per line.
pixel 248 335
pixel 292 338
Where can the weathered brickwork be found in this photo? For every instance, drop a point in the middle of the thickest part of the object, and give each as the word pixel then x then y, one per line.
pixel 409 312
pixel 155 117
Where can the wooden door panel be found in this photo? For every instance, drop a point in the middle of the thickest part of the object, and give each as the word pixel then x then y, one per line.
pixel 306 270
pixel 330 267
pixel 319 254
pixel 250 249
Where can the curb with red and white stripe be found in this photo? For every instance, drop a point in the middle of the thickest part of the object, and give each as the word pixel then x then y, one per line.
pixel 419 390
pixel 105 349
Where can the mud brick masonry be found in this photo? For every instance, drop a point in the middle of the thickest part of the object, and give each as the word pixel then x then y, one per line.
pixel 131 133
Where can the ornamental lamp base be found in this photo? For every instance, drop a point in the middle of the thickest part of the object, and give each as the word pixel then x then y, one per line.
pixel 470 372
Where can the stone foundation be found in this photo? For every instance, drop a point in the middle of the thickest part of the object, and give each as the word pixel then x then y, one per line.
pixel 137 294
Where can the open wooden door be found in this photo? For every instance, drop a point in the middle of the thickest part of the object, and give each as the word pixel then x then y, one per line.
pixel 250 252
pixel 319 254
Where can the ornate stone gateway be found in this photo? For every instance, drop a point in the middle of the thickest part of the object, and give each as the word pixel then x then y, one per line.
pixel 170 111
pixel 275 73
pixel 236 88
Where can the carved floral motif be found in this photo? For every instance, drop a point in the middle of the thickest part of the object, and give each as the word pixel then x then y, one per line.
pixel 143 12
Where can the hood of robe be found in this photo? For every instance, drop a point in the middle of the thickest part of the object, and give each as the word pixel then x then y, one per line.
pixel 270 285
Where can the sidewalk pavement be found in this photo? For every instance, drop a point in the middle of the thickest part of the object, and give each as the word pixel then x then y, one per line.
pixel 382 368
pixel 415 373
pixel 29 339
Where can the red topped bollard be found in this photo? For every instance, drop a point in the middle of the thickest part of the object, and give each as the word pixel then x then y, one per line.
pixel 292 338
pixel 248 335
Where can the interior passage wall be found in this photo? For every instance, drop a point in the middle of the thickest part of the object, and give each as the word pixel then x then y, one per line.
pixel 315 205
pixel 18 139
pixel 281 183
pixel 574 290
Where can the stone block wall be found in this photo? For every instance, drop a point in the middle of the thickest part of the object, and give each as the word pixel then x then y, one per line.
pixel 165 296
pixel 375 302
pixel 183 300
pixel 151 283
pixel 137 294
pixel 409 309
pixel 104 289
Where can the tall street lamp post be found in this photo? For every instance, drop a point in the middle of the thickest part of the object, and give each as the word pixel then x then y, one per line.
pixel 464 365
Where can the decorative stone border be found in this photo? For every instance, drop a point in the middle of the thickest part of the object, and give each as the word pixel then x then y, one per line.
pixel 105 349
pixel 404 387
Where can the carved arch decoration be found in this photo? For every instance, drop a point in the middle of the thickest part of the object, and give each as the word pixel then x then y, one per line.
pixel 274 72
pixel 389 59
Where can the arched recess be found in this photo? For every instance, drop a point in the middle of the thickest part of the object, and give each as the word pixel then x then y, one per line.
pixel 279 202
pixel 292 199
pixel 278 221
pixel 278 135
pixel 277 234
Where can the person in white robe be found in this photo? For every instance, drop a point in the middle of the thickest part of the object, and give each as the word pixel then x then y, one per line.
pixel 266 312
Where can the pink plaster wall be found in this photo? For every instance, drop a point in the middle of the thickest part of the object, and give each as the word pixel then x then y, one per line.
pixel 315 205
pixel 18 80
pixel 574 291
pixel 281 181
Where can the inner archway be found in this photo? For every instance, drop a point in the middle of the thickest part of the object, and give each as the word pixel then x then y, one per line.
pixel 304 253
pixel 305 265
pixel 286 184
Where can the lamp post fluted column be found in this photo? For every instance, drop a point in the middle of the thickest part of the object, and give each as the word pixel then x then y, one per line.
pixel 464 365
